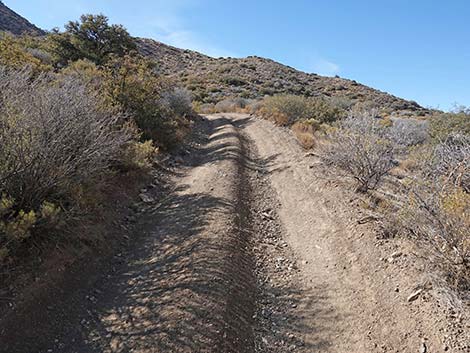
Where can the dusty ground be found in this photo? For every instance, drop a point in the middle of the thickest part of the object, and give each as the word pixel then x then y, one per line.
pixel 247 250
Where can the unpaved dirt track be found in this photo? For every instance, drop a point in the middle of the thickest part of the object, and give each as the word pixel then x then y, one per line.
pixel 247 252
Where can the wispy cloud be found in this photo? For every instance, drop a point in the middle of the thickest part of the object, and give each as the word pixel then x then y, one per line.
pixel 186 39
pixel 324 67
pixel 169 26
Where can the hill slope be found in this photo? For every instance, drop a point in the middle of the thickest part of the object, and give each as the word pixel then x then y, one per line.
pixel 212 80
pixel 10 21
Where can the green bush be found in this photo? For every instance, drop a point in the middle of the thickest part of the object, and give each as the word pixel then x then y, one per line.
pixel 294 108
pixel 91 38
pixel 442 125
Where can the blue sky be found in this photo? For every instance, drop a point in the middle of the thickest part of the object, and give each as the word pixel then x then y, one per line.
pixel 416 49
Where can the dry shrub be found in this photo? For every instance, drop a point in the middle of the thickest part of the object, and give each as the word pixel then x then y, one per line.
pixel 139 155
pixel 360 147
pixel 231 105
pixel 437 212
pixel 305 132
pixel 203 108
pixel 287 109
pixel 54 139
pixel 408 132
pixel 276 117
pixel 178 100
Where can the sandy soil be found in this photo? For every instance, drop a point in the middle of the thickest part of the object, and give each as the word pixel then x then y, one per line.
pixel 247 250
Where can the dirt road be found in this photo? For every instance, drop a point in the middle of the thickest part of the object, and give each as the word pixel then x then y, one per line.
pixel 247 251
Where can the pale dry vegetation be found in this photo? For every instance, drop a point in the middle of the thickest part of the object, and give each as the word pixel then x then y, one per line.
pixel 55 140
pixel 360 146
pixel 77 109
pixel 431 201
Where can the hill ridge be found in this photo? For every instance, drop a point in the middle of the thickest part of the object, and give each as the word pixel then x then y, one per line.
pixel 214 79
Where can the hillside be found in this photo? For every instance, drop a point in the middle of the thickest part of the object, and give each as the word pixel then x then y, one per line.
pixel 213 79
pixel 11 22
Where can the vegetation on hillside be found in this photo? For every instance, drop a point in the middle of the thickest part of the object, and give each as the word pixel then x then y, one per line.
pixel 212 80
pixel 76 108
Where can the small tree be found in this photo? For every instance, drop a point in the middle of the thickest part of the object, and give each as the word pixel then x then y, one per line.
pixel 91 38
pixel 360 147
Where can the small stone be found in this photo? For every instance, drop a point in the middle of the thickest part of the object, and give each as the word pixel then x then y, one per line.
pixel 415 295
pixel 423 348
pixel 395 255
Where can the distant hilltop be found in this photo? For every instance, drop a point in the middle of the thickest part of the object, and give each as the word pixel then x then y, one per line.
pixel 11 22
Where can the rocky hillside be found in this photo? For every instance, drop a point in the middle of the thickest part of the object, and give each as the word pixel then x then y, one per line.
pixel 11 22
pixel 213 79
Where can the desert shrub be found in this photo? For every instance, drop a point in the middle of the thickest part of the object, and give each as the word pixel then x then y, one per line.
pixel 451 160
pixel 305 132
pixel 361 148
pixel 441 125
pixel 234 81
pixel 91 38
pixel 290 107
pixel 341 102
pixel 203 108
pixel 408 132
pixel 254 107
pixel 178 100
pixel 231 105
pixel 138 155
pixel 133 85
pixel 54 139
pixel 18 53
pixel 287 109
pixel 437 212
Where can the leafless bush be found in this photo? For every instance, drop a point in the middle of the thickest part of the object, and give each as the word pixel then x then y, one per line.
pixel 451 160
pixel 437 209
pixel 360 147
pixel 178 100
pixel 408 132
pixel 53 137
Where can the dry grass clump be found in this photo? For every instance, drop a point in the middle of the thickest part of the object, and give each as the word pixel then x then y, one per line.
pixel 305 132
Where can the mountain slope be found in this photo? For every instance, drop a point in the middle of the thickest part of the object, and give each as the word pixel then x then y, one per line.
pixel 11 22
pixel 212 80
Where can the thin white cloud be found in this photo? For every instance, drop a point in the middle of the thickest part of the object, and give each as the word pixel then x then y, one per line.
pixel 169 27
pixel 186 39
pixel 325 67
